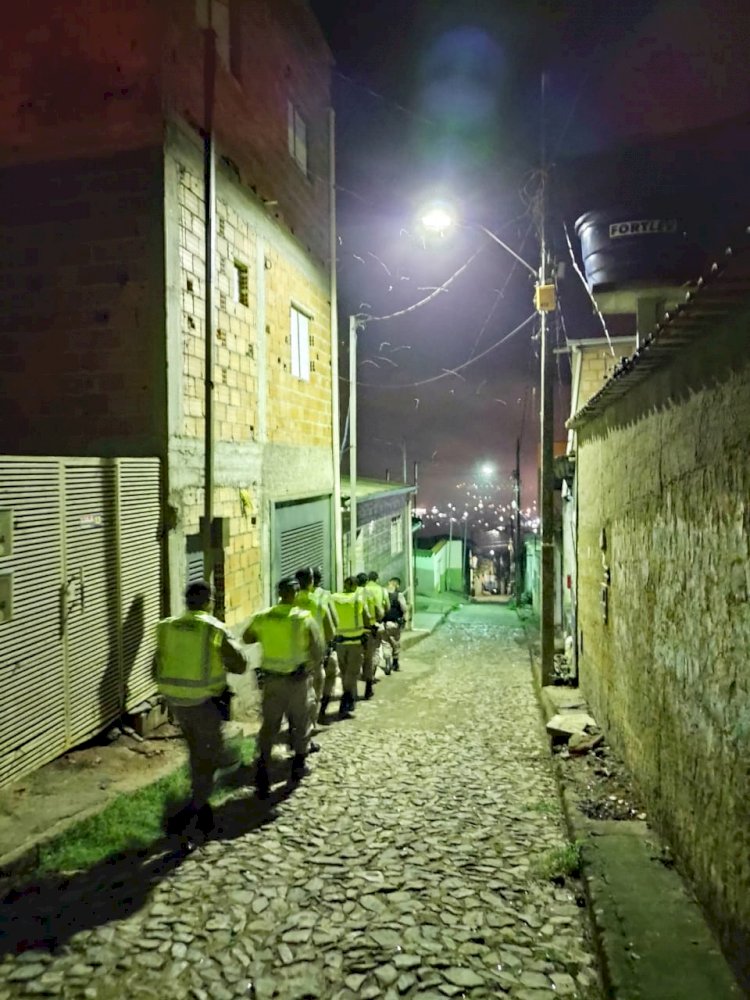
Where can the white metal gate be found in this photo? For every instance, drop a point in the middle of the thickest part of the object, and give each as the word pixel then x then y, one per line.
pixel 82 562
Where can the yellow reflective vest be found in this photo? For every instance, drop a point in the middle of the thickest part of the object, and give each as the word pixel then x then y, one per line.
pixel 284 633
pixel 349 608
pixel 379 594
pixel 189 665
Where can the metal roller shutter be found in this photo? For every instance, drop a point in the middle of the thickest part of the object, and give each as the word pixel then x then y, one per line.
pixel 92 605
pixel 140 579
pixel 86 571
pixel 302 537
pixel 32 671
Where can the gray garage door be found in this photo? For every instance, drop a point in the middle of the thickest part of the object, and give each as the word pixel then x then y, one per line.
pixel 302 537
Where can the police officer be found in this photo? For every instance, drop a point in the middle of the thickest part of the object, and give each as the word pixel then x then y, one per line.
pixel 307 601
pixel 374 605
pixel 194 653
pixel 292 645
pixel 378 591
pixel 330 661
pixel 395 617
pixel 354 620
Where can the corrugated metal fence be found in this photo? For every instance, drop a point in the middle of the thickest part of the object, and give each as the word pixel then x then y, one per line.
pixel 81 559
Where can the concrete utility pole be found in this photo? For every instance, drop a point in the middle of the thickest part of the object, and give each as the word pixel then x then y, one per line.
pixel 338 568
pixel 353 324
pixel 517 526
pixel 209 209
pixel 545 302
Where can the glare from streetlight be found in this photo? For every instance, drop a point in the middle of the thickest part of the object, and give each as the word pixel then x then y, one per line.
pixel 438 218
pixel 487 469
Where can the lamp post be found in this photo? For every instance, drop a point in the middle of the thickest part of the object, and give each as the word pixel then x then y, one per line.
pixel 439 218
pixel 354 323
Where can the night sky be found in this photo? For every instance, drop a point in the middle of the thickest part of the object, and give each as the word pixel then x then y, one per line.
pixel 443 99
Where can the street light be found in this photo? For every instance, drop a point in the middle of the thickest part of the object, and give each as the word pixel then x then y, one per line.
pixel 439 218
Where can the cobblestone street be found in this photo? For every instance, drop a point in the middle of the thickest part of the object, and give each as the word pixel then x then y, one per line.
pixel 406 865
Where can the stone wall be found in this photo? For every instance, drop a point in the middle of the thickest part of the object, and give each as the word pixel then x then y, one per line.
pixel 664 514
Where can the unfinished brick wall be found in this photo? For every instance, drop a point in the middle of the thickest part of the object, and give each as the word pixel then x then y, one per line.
pixel 258 435
pixel 235 341
pixel 664 504
pixel 299 410
pixel 81 308
pixel 280 55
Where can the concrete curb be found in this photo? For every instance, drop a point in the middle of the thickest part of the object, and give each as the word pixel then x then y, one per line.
pixel 651 937
pixel 416 635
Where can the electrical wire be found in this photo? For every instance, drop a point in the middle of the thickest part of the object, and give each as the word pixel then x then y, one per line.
pixel 453 371
pixel 365 318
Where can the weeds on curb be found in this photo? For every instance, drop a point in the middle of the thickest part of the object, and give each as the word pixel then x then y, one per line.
pixel 558 863
pixel 131 821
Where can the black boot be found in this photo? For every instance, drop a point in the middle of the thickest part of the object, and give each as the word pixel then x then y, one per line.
pixel 178 824
pixel 262 784
pixel 395 663
pixel 322 720
pixel 368 690
pixel 204 820
pixel 299 769
pixel 345 705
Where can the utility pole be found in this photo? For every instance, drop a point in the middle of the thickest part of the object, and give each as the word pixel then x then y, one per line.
pixel 338 568
pixel 517 526
pixel 466 574
pixel 352 443
pixel 545 302
pixel 450 549
pixel 209 249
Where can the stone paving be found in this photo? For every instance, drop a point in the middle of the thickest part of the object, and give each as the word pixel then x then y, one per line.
pixel 405 865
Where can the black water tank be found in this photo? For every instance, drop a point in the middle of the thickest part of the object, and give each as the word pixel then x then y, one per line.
pixel 623 247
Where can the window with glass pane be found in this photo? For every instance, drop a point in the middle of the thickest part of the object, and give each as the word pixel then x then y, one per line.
pixel 300 342
pixel 297 137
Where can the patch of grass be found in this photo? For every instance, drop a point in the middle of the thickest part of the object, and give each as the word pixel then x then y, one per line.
pixel 132 821
pixel 546 807
pixel 559 863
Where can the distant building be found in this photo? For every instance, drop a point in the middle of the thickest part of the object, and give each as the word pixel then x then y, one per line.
pixel 384 540
pixel 104 110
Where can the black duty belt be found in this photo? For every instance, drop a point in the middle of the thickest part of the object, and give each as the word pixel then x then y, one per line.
pixel 298 671
pixel 350 638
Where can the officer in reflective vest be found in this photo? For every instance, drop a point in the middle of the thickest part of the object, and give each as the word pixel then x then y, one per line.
pixel 194 652
pixel 374 606
pixel 319 610
pixel 354 620
pixel 330 661
pixel 292 645
pixel 395 618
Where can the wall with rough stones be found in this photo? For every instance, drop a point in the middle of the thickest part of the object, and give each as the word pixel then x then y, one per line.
pixel 664 514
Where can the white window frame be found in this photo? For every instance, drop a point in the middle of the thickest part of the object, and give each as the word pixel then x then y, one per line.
pixel 297 137
pixel 299 341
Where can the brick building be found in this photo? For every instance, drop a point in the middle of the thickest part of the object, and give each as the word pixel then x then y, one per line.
pixel 104 112
pixel 663 551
